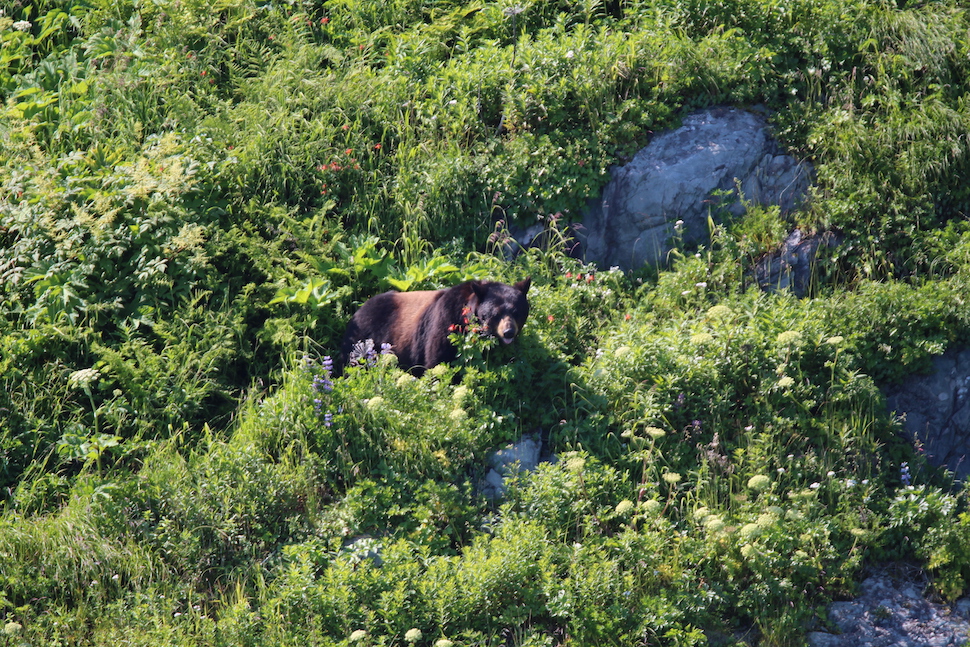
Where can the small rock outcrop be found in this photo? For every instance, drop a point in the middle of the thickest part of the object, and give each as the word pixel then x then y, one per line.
pixel 792 265
pixel 522 456
pixel 681 176
pixel 935 410
pixel 892 612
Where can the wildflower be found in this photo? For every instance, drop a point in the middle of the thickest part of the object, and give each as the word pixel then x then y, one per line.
pixel 328 419
pixel 83 378
pixel 904 474
pixel 701 338
pixel 651 506
pixel 12 628
pixel 576 464
pixel 443 642
pixel 627 316
pixel 413 635
pixel 816 485
pixel 377 147
pixel 759 482
pixel 621 351
pixel 358 635
pixel 714 523
pixel 374 403
pixel 349 151
pixel 789 337
pixel 750 531
pixel 551 318
pixel 671 478
pixel 460 394
pixel 624 507
pixel 322 383
pixel 720 312
pixel 785 382
pixel 835 341
pixel 701 284
pixel 458 415
pixel 655 432
pixel 570 54
pixel 701 513
pixel 22 25
pixel 324 20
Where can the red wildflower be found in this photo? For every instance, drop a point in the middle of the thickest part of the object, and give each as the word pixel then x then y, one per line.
pixel 627 316
pixel 349 151
pixel 551 318
pixel 377 147
pixel 569 275
pixel 324 21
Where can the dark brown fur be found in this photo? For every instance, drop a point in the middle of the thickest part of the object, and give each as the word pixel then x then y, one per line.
pixel 417 324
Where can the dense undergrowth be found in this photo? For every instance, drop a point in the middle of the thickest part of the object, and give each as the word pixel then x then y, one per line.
pixel 195 197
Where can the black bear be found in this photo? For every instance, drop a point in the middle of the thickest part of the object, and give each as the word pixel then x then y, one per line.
pixel 415 325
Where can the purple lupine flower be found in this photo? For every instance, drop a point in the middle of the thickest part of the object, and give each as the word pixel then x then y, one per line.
pixel 322 383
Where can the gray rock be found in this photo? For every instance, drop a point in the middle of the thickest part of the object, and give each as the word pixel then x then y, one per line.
pixel 522 456
pixel 891 612
pixel 792 266
pixel 680 176
pixel 935 410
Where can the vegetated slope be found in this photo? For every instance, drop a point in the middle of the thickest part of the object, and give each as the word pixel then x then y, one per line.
pixel 196 196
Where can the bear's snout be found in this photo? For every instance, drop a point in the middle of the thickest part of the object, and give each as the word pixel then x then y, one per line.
pixel 507 330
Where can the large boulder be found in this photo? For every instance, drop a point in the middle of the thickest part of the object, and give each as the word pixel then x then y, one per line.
pixel 681 178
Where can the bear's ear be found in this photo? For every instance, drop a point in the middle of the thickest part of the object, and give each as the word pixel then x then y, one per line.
pixel 479 290
pixel 523 286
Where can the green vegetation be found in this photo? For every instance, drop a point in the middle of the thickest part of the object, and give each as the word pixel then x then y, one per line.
pixel 195 196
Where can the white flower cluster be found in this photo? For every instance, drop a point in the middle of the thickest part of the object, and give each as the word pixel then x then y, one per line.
pixel 22 25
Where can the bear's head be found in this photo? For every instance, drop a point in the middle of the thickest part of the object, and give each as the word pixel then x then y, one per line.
pixel 502 308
